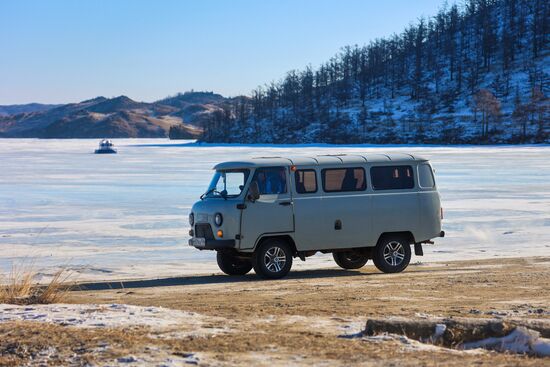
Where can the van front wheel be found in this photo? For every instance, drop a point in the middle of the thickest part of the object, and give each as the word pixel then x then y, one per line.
pixel 233 265
pixel 350 259
pixel 272 259
pixel 392 254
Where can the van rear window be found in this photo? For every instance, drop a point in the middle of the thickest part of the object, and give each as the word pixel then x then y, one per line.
pixel 306 182
pixel 392 177
pixel 426 178
pixel 343 179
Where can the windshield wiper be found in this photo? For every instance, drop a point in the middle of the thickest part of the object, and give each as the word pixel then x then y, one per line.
pixel 213 190
pixel 206 193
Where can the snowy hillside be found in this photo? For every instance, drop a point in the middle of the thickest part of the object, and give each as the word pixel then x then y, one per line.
pixel 476 73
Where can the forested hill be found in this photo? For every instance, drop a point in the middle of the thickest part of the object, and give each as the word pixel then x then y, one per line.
pixel 475 73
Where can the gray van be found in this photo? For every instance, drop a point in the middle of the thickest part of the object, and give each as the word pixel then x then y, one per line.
pixel 262 212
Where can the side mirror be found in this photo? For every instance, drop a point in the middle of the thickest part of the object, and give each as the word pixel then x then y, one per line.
pixel 253 191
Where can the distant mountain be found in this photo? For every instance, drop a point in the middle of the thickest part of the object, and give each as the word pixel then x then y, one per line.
pixel 121 103
pixel 195 107
pixel 25 108
pixel 192 98
pixel 119 117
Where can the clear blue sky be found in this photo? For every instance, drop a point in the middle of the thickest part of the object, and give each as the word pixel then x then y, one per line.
pixel 67 51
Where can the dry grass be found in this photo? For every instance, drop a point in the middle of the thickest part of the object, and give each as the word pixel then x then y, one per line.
pixel 44 344
pixel 20 287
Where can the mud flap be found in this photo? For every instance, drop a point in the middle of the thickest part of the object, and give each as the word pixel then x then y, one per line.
pixel 418 249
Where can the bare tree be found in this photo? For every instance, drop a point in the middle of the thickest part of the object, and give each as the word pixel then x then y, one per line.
pixel 489 105
pixel 539 107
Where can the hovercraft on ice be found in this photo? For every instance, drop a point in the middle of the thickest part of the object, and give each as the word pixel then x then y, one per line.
pixel 105 147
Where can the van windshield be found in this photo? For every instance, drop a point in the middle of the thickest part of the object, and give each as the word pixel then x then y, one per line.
pixel 226 184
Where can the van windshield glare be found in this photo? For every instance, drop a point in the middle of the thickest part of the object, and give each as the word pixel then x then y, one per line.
pixel 226 184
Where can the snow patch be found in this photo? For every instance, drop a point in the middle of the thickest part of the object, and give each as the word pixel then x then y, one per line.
pixel 521 340
pixel 439 330
pixel 116 316
pixel 415 345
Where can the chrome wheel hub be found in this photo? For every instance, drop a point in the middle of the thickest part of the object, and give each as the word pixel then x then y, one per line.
pixel 394 253
pixel 275 259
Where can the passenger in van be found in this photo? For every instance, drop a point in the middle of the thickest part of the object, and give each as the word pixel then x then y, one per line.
pixel 271 182
pixel 350 182
pixel 276 182
pixel 300 186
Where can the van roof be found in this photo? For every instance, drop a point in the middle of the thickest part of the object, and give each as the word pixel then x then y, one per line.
pixel 320 160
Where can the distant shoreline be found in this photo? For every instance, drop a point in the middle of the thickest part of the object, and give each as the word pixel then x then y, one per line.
pixel 191 143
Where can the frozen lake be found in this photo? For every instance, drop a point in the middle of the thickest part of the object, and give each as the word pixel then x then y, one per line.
pixel 125 215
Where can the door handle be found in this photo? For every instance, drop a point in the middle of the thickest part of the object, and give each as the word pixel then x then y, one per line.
pixel 285 203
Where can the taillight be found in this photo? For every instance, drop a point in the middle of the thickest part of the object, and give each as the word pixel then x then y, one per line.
pixel 441 212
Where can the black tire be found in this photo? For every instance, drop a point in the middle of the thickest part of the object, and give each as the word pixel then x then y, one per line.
pixel 233 265
pixel 392 254
pixel 272 259
pixel 350 259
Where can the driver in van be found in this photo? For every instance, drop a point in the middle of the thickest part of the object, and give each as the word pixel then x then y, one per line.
pixel 277 181
pixel 260 179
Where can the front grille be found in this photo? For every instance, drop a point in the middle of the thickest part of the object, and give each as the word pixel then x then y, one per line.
pixel 204 230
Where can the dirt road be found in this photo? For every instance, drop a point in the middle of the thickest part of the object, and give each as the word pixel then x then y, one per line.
pixel 310 317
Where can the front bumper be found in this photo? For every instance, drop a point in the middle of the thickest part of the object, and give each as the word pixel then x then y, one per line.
pixel 204 244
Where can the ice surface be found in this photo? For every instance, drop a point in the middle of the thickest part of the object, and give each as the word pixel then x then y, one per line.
pixel 125 215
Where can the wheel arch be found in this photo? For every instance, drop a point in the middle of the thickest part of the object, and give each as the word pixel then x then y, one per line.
pixel 285 237
pixel 406 234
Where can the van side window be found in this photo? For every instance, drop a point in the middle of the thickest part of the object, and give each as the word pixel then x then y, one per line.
pixel 392 177
pixel 306 181
pixel 425 176
pixel 343 179
pixel 271 180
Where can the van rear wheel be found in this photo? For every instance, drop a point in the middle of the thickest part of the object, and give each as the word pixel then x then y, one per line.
pixel 350 259
pixel 272 259
pixel 392 254
pixel 233 265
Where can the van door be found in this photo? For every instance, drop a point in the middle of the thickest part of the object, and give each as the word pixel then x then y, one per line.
pixel 272 212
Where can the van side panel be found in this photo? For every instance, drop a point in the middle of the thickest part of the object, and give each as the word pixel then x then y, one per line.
pixel 332 222
pixel 344 221
pixel 430 220
pixel 396 212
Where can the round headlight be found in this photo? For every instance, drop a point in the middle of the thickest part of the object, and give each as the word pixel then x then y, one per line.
pixel 218 219
pixel 191 219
